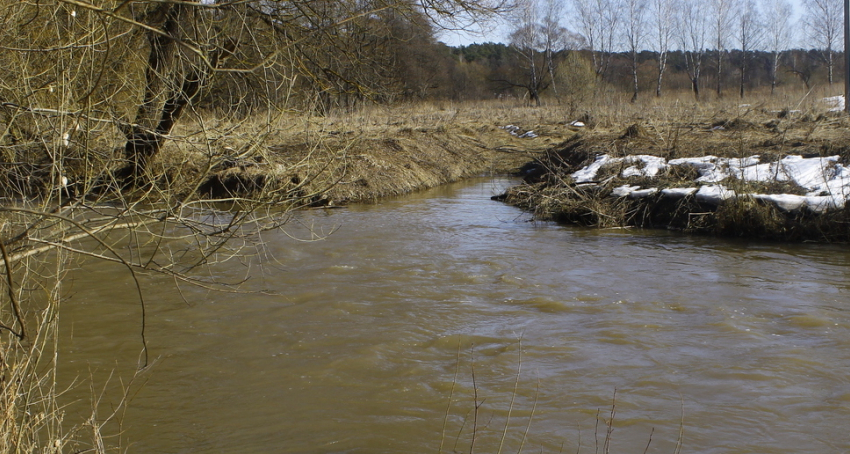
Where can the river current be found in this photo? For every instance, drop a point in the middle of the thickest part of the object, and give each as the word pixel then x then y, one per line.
pixel 444 321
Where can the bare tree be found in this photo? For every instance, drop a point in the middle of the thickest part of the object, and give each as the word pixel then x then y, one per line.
pixel 721 26
pixel 110 155
pixel 554 36
pixel 778 32
pixel 691 31
pixel 635 30
pixel 661 12
pixel 599 22
pixel 824 24
pixel 750 34
pixel 525 39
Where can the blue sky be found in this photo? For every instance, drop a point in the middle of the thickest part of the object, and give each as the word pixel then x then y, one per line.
pixel 497 32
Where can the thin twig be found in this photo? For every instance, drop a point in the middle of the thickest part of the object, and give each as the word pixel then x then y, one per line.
pixel 530 417
pixel 649 441
pixel 610 425
pixel 451 396
pixel 13 299
pixel 513 396
pixel 476 403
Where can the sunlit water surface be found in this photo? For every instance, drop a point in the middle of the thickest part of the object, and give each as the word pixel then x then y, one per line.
pixel 387 335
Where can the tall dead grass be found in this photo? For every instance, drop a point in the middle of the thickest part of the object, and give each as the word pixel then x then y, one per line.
pixel 790 122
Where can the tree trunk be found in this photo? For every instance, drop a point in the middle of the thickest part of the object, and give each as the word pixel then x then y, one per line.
pixel 719 73
pixel 551 66
pixel 143 140
pixel 170 86
pixel 743 69
pixel 662 65
pixel 773 69
pixel 635 75
pixel 830 64
pixel 693 64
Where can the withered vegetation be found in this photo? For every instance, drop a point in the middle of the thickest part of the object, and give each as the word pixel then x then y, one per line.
pixel 771 133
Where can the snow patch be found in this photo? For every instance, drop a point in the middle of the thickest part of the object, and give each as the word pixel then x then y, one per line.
pixel 649 166
pixel 516 131
pixel 588 173
pixel 677 193
pixel 633 192
pixel 715 194
pixel 826 181
pixel 641 193
pixel 791 202
pixel 624 190
pixel 835 103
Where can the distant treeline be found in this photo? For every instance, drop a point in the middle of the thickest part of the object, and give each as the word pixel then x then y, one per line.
pixel 494 70
pixel 420 68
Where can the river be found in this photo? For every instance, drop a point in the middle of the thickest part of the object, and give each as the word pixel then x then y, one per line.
pixel 428 320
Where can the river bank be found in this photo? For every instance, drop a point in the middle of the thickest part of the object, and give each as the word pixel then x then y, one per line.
pixel 356 157
pixel 733 170
pixel 755 172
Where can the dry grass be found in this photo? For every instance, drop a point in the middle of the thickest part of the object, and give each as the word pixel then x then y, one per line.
pixel 378 151
pixel 791 124
pixel 356 156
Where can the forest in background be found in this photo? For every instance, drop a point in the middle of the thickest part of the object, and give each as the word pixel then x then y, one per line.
pixel 561 50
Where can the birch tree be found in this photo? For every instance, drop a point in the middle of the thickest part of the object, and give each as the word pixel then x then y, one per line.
pixel 554 36
pixel 599 22
pixel 527 35
pixel 721 27
pixel 778 32
pixel 750 31
pixel 823 21
pixel 661 13
pixel 691 31
pixel 635 31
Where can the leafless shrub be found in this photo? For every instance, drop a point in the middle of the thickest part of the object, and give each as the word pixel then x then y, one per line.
pixel 138 133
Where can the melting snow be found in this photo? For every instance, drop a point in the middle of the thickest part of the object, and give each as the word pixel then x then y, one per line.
pixel 589 172
pixel 714 194
pixel 677 193
pixel 826 181
pixel 651 166
pixel 634 192
pixel 641 193
pixel 624 190
pixel 835 103
pixel 515 130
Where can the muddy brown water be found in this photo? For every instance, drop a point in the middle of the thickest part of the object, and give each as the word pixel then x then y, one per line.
pixel 385 337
